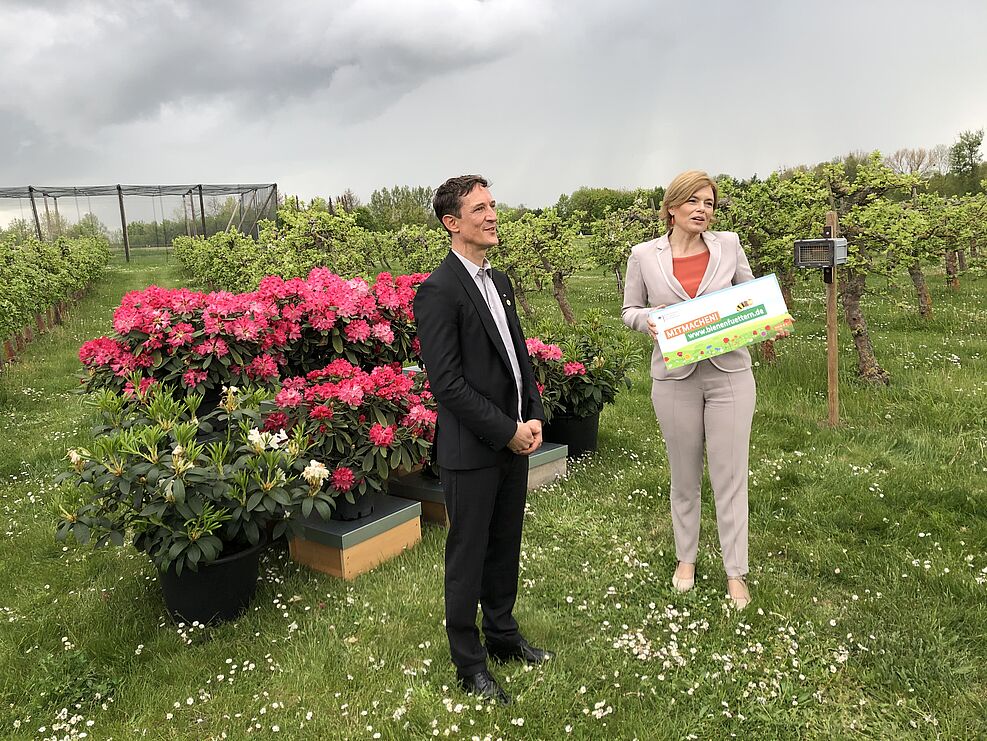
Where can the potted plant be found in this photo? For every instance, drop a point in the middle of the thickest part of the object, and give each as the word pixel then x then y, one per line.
pixel 363 424
pixel 200 495
pixel 577 376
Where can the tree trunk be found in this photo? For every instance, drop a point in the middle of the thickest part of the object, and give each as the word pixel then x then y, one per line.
pixel 520 294
pixel 867 366
pixel 953 280
pixel 922 289
pixel 620 280
pixel 973 247
pixel 961 259
pixel 558 290
pixel 786 281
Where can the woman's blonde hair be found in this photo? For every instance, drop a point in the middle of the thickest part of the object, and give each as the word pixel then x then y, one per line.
pixel 681 189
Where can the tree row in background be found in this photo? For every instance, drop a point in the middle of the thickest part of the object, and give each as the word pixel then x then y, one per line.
pixel 38 275
pixel 899 214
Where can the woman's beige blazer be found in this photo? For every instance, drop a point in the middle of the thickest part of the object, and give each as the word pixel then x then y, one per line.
pixel 650 283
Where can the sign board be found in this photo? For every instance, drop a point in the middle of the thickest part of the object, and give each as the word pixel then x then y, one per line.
pixel 719 322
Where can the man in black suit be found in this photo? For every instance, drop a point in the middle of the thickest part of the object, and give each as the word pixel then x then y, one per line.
pixel 490 420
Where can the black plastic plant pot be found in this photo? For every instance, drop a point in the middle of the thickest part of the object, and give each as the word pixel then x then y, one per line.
pixel 217 592
pixel 363 507
pixel 579 433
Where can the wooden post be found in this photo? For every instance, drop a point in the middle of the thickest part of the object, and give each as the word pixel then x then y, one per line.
pixel 123 223
pixel 202 212
pixel 832 340
pixel 58 218
pixel 34 210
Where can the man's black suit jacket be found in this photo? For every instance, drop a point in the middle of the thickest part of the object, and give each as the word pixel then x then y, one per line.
pixel 468 369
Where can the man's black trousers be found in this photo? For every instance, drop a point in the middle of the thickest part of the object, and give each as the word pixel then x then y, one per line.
pixel 486 511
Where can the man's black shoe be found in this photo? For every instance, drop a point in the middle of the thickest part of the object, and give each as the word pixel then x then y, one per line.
pixel 483 684
pixel 520 651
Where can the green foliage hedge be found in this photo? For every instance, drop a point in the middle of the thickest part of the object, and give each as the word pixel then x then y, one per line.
pixel 36 275
pixel 300 241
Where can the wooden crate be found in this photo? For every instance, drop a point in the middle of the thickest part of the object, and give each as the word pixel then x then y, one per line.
pixel 346 549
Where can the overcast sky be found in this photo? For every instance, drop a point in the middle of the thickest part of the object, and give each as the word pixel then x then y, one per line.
pixel 541 96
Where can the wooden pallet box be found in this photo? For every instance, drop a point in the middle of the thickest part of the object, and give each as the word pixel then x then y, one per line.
pixel 346 549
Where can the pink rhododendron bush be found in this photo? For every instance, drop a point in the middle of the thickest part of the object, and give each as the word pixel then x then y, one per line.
pixel 360 424
pixel 579 372
pixel 204 341
pixel 335 413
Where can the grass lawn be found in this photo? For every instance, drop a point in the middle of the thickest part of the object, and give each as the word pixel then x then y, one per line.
pixel 868 572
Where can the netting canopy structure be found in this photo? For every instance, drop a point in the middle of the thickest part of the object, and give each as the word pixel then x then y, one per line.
pixel 204 210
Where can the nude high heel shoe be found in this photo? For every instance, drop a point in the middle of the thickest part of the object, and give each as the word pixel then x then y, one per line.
pixel 742 600
pixel 684 584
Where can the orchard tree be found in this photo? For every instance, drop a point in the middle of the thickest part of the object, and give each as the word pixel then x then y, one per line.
pixel 315 234
pixel 419 249
pixel 613 235
pixel 971 216
pixel 862 204
pixel 977 206
pixel 769 215
pixel 519 263
pixel 928 246
pixel 542 245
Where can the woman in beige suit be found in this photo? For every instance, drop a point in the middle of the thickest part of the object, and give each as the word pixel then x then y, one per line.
pixel 709 404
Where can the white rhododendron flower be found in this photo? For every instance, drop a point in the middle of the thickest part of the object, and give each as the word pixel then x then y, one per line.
pixel 315 473
pixel 256 439
pixel 260 440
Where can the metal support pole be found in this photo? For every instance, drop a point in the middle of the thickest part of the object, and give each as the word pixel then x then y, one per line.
pixel 202 212
pixel 164 224
pixel 47 216
pixel 188 230
pixel 58 218
pixel 123 223
pixel 191 204
pixel 832 230
pixel 34 209
pixel 232 214
pixel 263 209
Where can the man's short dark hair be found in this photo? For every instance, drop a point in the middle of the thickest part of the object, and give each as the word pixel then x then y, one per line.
pixel 449 196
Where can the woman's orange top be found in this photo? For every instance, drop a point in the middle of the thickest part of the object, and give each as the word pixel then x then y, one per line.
pixel 689 271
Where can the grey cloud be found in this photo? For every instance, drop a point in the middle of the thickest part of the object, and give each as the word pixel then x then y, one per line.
pixel 540 95
pixel 93 64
